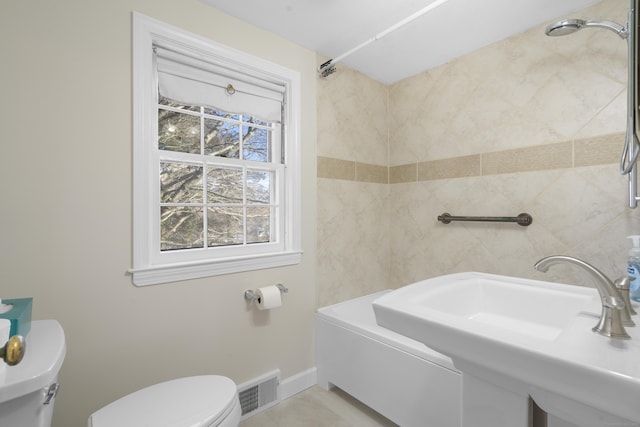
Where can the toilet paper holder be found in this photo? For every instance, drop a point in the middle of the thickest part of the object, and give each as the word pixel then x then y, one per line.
pixel 250 295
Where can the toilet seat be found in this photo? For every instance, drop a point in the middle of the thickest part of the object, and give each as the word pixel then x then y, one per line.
pixel 200 401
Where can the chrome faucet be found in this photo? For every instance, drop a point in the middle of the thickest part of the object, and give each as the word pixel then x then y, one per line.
pixel 610 323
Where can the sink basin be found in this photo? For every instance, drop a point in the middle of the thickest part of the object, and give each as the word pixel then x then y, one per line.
pixel 536 333
pixel 501 306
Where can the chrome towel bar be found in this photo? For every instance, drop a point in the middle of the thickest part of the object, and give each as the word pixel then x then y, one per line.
pixel 523 219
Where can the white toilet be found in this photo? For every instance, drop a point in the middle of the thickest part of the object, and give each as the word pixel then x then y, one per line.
pixel 200 401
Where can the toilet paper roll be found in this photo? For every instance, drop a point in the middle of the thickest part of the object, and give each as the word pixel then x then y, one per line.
pixel 269 297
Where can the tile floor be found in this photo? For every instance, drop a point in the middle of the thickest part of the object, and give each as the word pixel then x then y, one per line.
pixel 316 407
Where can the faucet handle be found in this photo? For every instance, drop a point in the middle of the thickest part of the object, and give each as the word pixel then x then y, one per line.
pixel 613 302
pixel 619 302
pixel 623 284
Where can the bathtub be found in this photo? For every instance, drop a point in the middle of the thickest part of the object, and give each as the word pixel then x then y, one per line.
pixel 402 379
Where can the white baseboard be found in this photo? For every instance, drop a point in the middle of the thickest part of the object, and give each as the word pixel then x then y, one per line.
pixel 299 382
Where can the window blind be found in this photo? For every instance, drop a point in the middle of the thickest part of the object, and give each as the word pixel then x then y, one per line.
pixel 189 80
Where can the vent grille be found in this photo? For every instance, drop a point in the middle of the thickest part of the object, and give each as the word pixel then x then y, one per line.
pixel 259 394
pixel 249 400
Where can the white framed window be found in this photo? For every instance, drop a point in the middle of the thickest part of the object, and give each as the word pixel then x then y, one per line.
pixel 216 158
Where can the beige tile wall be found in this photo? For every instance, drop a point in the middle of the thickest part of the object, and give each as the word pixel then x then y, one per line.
pixel 530 124
pixel 353 190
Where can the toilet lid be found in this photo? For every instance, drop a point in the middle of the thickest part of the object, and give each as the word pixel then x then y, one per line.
pixel 184 402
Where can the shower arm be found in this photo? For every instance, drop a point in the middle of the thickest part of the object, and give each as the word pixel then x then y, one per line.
pixel 613 26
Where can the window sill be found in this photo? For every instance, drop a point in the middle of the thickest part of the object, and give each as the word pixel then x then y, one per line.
pixel 156 274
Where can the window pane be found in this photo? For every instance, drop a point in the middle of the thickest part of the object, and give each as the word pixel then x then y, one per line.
pixel 259 186
pixel 224 185
pixel 255 144
pixel 225 226
pixel 180 228
pixel 221 139
pixel 258 225
pixel 180 183
pixel 220 113
pixel 178 132
pixel 170 103
pixel 253 120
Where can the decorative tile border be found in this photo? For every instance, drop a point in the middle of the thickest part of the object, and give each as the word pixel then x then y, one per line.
pixel 336 169
pixel 403 173
pixel 450 168
pixel 599 150
pixel 352 171
pixel 585 152
pixel 541 157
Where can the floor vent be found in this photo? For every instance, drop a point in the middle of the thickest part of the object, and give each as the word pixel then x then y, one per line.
pixel 259 394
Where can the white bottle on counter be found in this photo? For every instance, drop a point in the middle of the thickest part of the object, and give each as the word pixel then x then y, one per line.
pixel 633 269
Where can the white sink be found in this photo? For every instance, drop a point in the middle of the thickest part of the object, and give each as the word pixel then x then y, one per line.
pixel 494 305
pixel 536 333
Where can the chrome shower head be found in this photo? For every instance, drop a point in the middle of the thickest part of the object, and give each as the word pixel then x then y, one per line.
pixel 569 26
pixel 563 28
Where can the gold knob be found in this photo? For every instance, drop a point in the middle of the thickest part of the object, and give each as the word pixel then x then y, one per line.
pixel 13 351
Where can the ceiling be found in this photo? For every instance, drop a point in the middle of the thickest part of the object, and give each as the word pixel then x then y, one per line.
pixel 450 29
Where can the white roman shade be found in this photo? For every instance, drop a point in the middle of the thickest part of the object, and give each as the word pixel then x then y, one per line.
pixel 191 80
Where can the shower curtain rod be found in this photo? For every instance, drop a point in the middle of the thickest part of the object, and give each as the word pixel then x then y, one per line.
pixel 328 67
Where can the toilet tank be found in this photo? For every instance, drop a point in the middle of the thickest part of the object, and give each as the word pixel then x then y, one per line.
pixel 27 390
